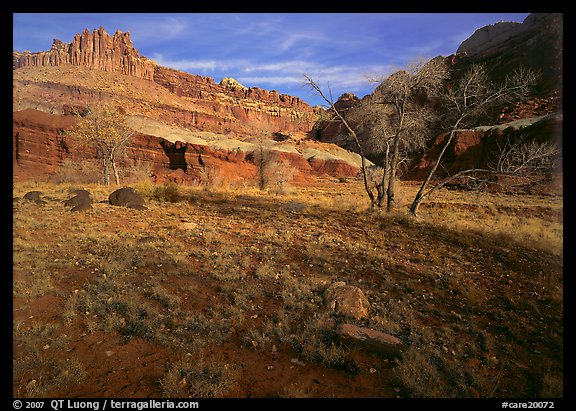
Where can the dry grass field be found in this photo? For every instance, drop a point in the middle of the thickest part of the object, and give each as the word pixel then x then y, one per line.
pixel 218 293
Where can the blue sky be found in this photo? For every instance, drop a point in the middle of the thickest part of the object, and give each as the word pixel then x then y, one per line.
pixel 273 50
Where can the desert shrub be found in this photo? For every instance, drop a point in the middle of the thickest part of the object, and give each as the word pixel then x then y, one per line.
pixel 277 174
pixel 35 371
pixel 77 172
pixel 552 385
pixel 203 378
pixel 136 172
pixel 169 192
pixel 38 284
pixel 213 178
pixel 426 373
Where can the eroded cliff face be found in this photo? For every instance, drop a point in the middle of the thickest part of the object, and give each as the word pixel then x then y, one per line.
pixel 501 48
pixel 41 144
pixel 97 50
pixel 536 43
pixel 227 107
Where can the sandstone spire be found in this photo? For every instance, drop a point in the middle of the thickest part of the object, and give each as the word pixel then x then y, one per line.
pixel 96 50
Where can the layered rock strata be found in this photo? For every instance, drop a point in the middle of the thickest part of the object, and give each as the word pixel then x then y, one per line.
pixel 40 146
pixel 227 107
pixel 96 50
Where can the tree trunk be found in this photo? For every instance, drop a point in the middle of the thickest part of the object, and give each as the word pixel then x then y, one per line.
pixel 420 195
pixel 352 132
pixel 106 172
pixel 362 159
pixel 261 165
pixel 383 186
pixel 115 170
pixel 391 192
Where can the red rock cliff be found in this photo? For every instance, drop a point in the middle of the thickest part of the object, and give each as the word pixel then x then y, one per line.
pixel 224 107
pixel 97 50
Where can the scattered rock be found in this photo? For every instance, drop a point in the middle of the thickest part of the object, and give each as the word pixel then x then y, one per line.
pixel 474 393
pixel 298 362
pixel 294 207
pixel 78 199
pixel 348 300
pixel 34 196
pixel 82 207
pixel 127 197
pixel 370 340
pixel 80 202
pixel 80 191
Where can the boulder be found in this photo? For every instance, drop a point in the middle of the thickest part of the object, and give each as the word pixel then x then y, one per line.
pixel 370 340
pixel 347 300
pixel 127 197
pixel 34 196
pixel 82 207
pixel 82 198
pixel 81 192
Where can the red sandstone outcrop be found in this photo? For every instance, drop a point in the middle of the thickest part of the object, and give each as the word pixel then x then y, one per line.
pixel 292 112
pixel 501 48
pixel 96 50
pixel 478 147
pixel 40 145
pixel 224 107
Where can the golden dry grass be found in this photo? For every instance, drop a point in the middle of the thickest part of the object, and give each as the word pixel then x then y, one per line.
pixel 217 278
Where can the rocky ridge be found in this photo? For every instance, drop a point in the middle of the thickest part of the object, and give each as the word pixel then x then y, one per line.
pixel 178 110
pixel 116 54
pixel 170 153
pixel 501 48
pixel 96 50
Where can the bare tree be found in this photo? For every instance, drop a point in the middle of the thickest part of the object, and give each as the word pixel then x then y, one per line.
pixel 524 157
pixel 373 123
pixel 396 118
pixel 400 114
pixel 520 157
pixel 273 171
pixel 328 99
pixel 104 127
pixel 467 101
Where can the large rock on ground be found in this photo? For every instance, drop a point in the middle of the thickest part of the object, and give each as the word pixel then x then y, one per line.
pixel 370 340
pixel 34 196
pixel 126 197
pixel 347 300
pixel 80 197
pixel 81 201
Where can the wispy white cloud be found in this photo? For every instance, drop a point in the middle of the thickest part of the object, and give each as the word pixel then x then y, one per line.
pixel 281 73
pixel 208 65
pixel 153 30
pixel 272 50
pixel 291 39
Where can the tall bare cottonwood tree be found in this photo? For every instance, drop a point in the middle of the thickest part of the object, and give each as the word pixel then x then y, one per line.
pixel 396 118
pixel 401 115
pixel 105 128
pixel 328 99
pixel 467 101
